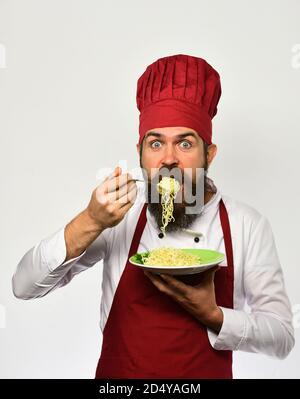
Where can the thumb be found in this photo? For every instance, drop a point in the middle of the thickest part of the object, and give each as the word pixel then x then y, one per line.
pixel 116 172
pixel 210 274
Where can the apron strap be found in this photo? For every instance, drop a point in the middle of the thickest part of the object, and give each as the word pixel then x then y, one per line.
pixel 138 231
pixel 226 232
pixel 225 276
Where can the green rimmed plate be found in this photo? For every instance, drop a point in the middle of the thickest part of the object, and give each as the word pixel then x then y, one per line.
pixel 208 258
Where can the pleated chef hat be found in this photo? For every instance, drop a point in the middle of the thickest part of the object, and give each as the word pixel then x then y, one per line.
pixel 178 90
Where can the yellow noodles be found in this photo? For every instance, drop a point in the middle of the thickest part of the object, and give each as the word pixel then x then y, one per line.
pixel 166 256
pixel 168 188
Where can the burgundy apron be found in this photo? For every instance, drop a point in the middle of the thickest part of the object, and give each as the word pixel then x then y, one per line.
pixel 149 335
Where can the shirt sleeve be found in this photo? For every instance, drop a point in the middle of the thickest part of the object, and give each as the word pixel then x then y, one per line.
pixel 267 328
pixel 42 268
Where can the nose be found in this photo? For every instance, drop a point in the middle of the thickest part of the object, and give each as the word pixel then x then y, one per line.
pixel 169 157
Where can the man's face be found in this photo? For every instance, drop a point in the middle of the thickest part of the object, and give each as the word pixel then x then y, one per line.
pixel 179 150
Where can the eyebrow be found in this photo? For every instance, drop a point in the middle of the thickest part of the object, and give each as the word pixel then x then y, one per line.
pixel 181 136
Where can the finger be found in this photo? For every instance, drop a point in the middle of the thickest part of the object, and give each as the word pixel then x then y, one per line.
pixel 128 197
pixel 177 285
pixel 159 283
pixel 116 172
pixel 209 274
pixel 121 192
pixel 124 191
pixel 162 285
pixel 125 207
pixel 105 198
pixel 116 182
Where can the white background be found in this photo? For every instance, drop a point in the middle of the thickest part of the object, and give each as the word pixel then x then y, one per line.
pixel 67 109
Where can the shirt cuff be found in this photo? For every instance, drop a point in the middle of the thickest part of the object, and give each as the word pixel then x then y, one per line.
pixel 54 250
pixel 233 330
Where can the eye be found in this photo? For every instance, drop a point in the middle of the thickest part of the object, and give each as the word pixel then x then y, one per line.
pixel 185 144
pixel 155 144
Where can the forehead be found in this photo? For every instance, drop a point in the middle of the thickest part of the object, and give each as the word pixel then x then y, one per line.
pixel 171 131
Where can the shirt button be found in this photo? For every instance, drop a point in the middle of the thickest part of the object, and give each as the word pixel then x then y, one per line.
pixel 196 239
pixel 160 235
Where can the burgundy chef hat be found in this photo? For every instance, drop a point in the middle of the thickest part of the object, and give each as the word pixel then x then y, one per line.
pixel 178 90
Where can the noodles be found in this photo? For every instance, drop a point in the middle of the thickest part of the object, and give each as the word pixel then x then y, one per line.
pixel 166 256
pixel 168 188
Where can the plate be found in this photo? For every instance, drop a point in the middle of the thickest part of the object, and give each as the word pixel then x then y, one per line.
pixel 209 259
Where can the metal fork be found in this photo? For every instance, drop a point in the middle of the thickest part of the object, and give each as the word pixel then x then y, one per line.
pixel 143 181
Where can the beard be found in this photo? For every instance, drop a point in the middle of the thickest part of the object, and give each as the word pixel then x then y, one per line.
pixel 183 218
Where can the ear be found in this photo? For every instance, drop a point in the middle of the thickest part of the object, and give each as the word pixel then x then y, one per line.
pixel 211 153
pixel 138 148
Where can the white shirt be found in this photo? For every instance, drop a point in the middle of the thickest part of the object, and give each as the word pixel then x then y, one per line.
pixel 261 320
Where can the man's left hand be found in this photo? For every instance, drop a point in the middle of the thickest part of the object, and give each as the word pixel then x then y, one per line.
pixel 199 300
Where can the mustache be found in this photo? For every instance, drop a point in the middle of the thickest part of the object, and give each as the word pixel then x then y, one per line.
pixel 178 174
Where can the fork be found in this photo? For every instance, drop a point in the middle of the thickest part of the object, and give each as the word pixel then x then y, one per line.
pixel 137 180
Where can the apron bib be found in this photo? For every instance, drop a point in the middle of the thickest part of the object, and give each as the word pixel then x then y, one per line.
pixel 149 335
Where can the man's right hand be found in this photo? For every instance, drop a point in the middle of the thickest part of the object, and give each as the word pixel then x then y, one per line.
pixel 112 199
pixel 107 207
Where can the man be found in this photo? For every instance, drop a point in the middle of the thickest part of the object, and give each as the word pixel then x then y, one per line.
pixel 159 326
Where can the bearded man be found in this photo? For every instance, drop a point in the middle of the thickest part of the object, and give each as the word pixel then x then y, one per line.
pixel 158 325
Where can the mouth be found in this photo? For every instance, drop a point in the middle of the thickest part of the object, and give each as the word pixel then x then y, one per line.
pixel 161 176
